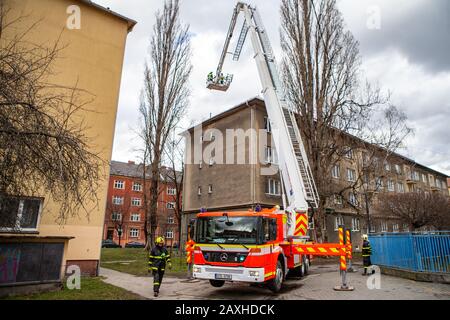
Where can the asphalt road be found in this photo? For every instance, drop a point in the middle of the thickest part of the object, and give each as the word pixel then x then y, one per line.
pixel 318 285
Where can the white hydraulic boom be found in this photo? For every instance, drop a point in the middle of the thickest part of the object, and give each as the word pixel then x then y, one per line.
pixel 298 182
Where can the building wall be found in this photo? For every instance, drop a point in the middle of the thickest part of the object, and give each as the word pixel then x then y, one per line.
pixel 92 60
pixel 237 182
pixel 127 210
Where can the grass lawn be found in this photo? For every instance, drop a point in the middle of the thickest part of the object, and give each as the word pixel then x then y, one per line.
pixel 91 289
pixel 135 261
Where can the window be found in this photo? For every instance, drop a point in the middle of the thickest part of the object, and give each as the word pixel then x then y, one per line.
pixel 339 221
pixel 336 171
pixel 273 187
pixel 271 155
pixel 395 227
pixel 267 126
pixel 405 227
pixel 379 183
pixel 19 214
pixel 384 227
pixel 210 189
pixel 387 166
pixel 199 191
pixel 137 187
pixel 400 187
pixel 170 220
pixel 352 199
pixel 355 224
pixel 438 183
pixel 119 184
pixel 269 227
pixel 170 205
pixel 415 176
pixel 171 191
pixel 337 199
pixel 134 233
pixel 136 202
pixel 135 217
pixel 391 185
pixel 398 169
pixel 117 200
pixel 116 216
pixel 373 228
pixel 169 234
pixel 349 153
pixel 424 178
pixel 351 175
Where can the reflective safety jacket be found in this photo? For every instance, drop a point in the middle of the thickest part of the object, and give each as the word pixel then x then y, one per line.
pixel 366 249
pixel 158 258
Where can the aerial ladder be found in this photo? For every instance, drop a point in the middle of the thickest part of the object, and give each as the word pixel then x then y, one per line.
pixel 265 260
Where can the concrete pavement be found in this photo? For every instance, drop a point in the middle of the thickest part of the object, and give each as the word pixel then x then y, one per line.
pixel 316 286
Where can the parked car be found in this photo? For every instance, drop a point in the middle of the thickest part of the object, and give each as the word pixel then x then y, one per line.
pixel 134 244
pixel 108 243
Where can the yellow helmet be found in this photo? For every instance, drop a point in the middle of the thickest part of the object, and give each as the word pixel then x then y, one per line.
pixel 365 237
pixel 159 240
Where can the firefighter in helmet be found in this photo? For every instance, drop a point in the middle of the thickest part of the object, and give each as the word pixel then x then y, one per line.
pixel 158 259
pixel 366 253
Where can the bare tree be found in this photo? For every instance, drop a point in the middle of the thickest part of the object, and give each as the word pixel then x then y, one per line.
pixel 417 209
pixel 321 74
pixel 165 96
pixel 119 213
pixel 44 149
pixel 175 158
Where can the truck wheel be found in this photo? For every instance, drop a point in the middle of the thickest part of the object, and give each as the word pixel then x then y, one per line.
pixel 275 283
pixel 217 283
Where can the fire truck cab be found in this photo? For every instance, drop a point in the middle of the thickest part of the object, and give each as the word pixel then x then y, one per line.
pixel 246 246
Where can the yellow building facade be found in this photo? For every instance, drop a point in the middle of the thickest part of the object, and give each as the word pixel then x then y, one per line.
pixel 94 40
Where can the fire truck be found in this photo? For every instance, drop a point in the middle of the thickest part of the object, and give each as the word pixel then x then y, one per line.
pixel 262 245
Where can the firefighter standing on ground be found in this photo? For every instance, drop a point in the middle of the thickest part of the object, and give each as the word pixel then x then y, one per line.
pixel 158 259
pixel 366 253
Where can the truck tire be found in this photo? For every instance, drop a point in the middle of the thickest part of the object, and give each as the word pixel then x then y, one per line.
pixel 217 283
pixel 275 284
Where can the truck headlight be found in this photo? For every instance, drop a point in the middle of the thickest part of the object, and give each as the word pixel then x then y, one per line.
pixel 197 270
pixel 254 273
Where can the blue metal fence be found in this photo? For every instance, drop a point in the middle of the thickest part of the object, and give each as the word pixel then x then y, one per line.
pixel 418 251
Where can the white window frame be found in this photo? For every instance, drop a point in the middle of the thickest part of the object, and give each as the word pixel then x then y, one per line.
pixel 384 226
pixel 171 191
pixel 116 216
pixel 274 187
pixel 169 234
pixel 398 169
pixel 118 201
pixel 424 178
pixel 405 227
pixel 387 166
pixel 270 155
pixel 395 227
pixel 352 199
pixel 137 187
pixel 400 187
pixel 170 220
pixel 133 217
pixel 119 184
pixel 379 183
pixel 373 228
pixel 351 175
pixel 199 191
pixel 391 185
pixel 349 153
pixel 267 125
pixel 136 202
pixel 356 224
pixel 338 199
pixel 338 221
pixel 19 215
pixel 134 232
pixel 170 205
pixel 210 189
pixel 336 171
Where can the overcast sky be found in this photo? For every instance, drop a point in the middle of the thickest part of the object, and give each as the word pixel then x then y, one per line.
pixel 405 49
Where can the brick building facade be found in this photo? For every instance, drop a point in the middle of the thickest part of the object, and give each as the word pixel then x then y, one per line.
pixel 125 209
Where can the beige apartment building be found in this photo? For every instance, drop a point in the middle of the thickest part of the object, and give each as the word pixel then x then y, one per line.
pixel 214 184
pixel 92 59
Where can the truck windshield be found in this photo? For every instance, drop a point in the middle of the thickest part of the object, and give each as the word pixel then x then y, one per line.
pixel 227 230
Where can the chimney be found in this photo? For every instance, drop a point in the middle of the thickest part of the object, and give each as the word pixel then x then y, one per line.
pixel 131 162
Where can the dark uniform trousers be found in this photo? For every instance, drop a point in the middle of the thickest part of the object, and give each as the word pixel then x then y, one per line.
pixel 366 253
pixel 157 265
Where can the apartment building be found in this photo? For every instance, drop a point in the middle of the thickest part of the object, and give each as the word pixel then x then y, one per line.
pixel 125 208
pixel 215 184
pixel 39 251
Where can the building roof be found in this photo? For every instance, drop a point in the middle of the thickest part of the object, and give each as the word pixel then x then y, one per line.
pixel 133 170
pixel 260 102
pixel 131 23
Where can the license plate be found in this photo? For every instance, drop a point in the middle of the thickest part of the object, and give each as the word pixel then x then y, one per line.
pixel 221 276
